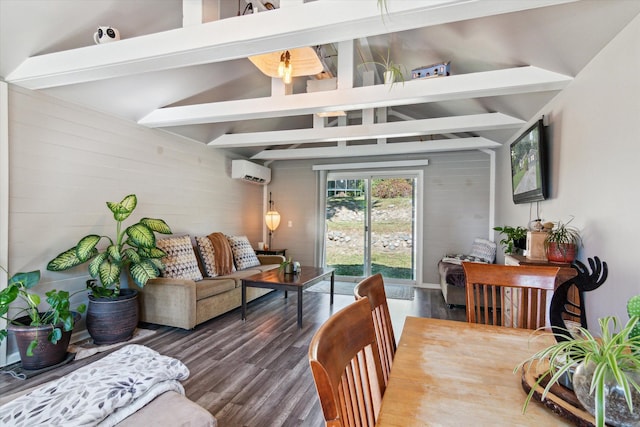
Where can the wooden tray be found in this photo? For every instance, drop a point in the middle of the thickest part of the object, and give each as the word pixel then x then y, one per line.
pixel 560 400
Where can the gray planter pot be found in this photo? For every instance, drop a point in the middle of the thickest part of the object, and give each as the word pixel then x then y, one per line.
pixel 113 320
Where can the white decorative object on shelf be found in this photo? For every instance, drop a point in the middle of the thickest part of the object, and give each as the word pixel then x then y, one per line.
pixel 106 34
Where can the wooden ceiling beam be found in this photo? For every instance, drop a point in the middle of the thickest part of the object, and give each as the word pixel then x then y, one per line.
pixel 432 146
pixel 474 85
pixel 308 24
pixel 436 126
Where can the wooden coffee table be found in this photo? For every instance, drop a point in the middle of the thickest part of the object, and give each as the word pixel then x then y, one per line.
pixel 278 280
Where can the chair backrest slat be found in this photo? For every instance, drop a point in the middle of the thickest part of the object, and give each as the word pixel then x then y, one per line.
pixel 514 296
pixel 372 288
pixel 346 368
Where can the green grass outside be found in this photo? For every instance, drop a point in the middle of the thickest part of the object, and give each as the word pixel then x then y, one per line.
pixel 396 265
pixel 385 270
pixel 378 227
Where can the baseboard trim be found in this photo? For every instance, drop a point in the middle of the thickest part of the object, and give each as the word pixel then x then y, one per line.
pixel 428 285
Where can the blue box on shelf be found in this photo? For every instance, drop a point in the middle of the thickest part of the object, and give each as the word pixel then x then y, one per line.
pixel 434 70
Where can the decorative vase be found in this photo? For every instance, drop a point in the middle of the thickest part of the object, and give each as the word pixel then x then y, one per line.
pixel 561 252
pixel 113 320
pixel 616 409
pixel 45 353
pixel 288 268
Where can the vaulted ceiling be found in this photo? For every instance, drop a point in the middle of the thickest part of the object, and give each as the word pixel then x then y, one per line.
pixel 508 59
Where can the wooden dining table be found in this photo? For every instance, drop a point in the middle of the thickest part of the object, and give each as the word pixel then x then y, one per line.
pixel 451 373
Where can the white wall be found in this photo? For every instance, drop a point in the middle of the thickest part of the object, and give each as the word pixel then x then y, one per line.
pixel 456 205
pixel 66 161
pixel 594 128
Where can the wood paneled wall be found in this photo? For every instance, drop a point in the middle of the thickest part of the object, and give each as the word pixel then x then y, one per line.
pixel 456 205
pixel 66 161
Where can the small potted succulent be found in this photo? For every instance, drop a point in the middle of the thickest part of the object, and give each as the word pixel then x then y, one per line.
pixel 562 242
pixel 42 336
pixel 290 267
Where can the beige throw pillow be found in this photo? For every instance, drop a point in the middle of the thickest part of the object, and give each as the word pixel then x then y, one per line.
pixel 180 262
pixel 243 254
pixel 205 247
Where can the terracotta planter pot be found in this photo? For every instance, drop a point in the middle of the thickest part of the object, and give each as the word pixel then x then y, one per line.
pixel 113 320
pixel 45 354
pixel 561 252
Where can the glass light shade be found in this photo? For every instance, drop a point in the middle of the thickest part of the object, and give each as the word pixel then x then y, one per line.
pixel 287 75
pixel 272 218
pixel 304 60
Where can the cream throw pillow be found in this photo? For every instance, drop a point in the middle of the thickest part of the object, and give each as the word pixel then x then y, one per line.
pixel 180 262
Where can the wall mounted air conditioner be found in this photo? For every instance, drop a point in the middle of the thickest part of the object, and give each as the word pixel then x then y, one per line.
pixel 250 172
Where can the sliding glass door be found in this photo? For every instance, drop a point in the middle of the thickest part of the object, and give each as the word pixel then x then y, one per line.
pixel 370 225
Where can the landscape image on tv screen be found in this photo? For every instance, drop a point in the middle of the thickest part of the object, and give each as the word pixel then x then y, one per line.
pixel 526 164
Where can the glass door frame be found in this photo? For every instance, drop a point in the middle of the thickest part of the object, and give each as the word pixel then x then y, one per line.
pixel 369 175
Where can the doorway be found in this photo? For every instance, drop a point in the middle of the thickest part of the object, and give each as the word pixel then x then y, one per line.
pixel 370 225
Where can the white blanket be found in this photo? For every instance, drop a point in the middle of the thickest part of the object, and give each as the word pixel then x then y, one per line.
pixel 102 393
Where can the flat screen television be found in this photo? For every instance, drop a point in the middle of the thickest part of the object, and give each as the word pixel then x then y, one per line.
pixel 529 165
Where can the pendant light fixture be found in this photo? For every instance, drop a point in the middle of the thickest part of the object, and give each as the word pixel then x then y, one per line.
pixel 302 61
pixel 285 69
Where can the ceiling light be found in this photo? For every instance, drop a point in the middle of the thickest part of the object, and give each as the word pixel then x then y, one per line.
pixel 331 114
pixel 303 61
pixel 285 68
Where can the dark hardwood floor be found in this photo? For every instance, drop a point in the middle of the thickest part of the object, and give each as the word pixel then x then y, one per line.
pixel 256 373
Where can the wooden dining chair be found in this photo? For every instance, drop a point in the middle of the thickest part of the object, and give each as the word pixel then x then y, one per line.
pixel 345 363
pixel 512 296
pixel 372 288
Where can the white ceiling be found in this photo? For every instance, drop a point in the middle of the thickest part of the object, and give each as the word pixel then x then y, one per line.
pixel 508 59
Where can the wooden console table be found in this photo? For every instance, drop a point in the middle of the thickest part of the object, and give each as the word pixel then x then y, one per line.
pixel 271 252
pixel 566 273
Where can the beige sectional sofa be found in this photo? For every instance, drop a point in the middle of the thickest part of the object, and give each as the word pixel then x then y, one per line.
pixel 187 302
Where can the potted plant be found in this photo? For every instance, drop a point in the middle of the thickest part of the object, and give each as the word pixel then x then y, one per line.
pixel 289 266
pixel 514 238
pixel 561 243
pixel 113 311
pixel 42 337
pixel 607 371
pixel 393 72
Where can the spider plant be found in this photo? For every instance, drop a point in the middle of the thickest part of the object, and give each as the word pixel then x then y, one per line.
pixel 565 238
pixel 393 72
pixel 614 355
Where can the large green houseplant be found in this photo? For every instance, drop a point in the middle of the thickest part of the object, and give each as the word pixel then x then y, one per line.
pixel 42 336
pixel 562 242
pixel 607 370
pixel 132 250
pixel 133 247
